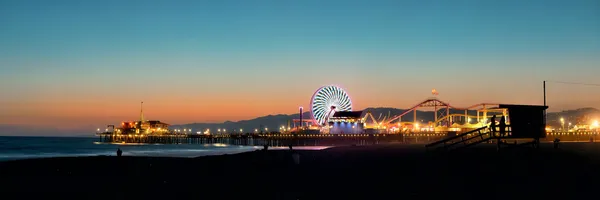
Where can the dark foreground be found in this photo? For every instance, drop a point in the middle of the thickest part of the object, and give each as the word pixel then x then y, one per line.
pixel 371 172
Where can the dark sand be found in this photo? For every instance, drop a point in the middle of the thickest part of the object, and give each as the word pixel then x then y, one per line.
pixel 362 172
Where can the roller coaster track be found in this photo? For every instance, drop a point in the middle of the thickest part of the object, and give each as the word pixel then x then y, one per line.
pixel 452 115
pixel 369 115
pixel 431 102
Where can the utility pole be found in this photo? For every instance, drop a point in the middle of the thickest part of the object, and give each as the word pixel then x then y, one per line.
pixel 545 118
pixel 301 124
pixel 142 112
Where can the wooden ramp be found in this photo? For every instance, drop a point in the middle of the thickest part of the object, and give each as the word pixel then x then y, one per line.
pixel 462 140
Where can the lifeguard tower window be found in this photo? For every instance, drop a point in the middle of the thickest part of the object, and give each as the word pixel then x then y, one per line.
pixel 526 121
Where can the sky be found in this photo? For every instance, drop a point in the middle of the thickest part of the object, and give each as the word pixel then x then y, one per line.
pixel 80 64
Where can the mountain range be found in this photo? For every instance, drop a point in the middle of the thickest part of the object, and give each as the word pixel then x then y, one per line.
pixel 273 122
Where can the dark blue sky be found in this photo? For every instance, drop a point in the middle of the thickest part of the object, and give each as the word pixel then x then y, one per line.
pixel 53 28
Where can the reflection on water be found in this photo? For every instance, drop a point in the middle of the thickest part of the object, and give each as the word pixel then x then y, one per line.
pixel 12 148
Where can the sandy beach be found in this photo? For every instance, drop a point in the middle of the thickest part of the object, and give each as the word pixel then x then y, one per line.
pixel 392 171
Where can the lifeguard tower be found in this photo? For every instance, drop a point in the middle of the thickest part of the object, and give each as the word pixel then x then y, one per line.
pixel 523 122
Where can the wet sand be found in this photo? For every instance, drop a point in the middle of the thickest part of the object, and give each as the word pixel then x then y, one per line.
pixel 359 172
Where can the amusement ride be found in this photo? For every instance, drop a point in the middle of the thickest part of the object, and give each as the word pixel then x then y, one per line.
pixel 331 104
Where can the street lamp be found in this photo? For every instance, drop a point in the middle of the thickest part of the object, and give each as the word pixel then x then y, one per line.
pixel 569 127
pixel 562 123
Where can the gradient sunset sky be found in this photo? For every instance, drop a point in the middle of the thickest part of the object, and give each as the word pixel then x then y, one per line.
pixel 83 64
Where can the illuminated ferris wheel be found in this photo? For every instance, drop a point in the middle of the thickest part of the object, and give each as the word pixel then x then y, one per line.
pixel 327 100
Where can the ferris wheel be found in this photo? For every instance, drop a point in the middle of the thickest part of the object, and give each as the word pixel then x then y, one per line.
pixel 326 100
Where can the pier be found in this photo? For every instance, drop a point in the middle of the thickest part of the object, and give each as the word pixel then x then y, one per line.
pixel 574 136
pixel 314 139
pixel 272 139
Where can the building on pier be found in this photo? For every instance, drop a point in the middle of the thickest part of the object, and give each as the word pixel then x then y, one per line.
pixel 346 122
pixel 141 126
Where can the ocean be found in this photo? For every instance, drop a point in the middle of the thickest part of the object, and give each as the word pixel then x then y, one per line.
pixel 14 148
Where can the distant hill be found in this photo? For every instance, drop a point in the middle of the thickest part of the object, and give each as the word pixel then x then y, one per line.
pixel 273 122
pixel 579 115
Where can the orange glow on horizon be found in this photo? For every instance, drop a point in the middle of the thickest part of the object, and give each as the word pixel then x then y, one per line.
pixel 83 111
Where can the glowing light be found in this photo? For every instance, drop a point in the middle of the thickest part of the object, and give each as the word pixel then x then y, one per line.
pixel 326 97
pixel 595 124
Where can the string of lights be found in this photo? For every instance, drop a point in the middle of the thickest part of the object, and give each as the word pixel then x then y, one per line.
pixel 574 83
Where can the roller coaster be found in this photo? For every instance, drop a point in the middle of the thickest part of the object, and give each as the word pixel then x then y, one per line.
pixel 446 117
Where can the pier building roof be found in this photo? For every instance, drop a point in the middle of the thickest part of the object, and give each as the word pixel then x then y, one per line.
pixel 347 114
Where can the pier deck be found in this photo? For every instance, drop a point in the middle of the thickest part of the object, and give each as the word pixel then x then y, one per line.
pixel 271 139
pixel 310 139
